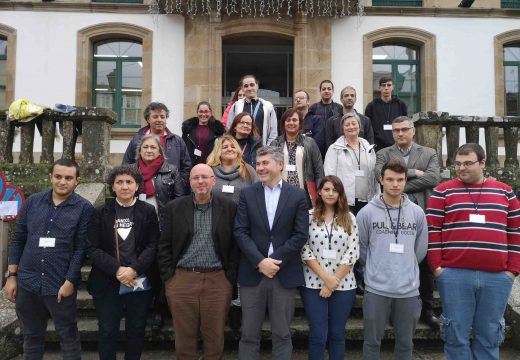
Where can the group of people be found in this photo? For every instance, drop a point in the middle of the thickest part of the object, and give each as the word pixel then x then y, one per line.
pixel 233 215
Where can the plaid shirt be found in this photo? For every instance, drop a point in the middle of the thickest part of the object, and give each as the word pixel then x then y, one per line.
pixel 43 270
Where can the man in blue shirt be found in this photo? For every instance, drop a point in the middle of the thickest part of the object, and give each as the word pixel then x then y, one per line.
pixel 45 258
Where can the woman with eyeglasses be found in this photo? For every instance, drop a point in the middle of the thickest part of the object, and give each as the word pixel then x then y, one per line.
pixel 303 166
pixel 199 133
pixel 162 183
pixel 353 160
pixel 328 258
pixel 245 132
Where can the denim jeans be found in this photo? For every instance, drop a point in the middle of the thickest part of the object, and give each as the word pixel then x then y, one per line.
pixel 327 318
pixel 473 299
pixel 33 311
pixel 109 310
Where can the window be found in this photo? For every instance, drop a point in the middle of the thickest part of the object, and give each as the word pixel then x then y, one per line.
pixel 402 63
pixel 510 4
pixel 512 80
pixel 397 3
pixel 3 73
pixel 117 79
pixel 119 1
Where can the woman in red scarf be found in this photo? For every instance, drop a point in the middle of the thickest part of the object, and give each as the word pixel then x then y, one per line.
pixel 162 183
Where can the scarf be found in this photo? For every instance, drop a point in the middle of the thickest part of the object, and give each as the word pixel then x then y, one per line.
pixel 149 172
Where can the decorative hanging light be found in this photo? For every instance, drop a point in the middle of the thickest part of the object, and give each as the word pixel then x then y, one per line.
pixel 258 8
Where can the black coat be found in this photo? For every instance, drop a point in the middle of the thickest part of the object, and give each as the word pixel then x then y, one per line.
pixel 101 244
pixel 179 230
pixel 189 127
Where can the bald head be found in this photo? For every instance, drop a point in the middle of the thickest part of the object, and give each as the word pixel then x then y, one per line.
pixel 202 181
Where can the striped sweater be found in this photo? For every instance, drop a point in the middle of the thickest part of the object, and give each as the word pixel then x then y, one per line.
pixel 456 242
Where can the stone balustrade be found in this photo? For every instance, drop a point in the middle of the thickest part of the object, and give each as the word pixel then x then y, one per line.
pixel 96 124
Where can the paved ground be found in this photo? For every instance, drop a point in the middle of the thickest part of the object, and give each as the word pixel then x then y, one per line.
pixel 422 352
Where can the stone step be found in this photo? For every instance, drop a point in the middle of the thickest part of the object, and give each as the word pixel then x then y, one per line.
pixel 299 327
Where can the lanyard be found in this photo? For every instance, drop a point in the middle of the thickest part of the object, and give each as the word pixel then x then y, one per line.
pixel 244 149
pixel 255 111
pixel 475 203
pixel 388 112
pixel 329 234
pixel 396 232
pixel 358 159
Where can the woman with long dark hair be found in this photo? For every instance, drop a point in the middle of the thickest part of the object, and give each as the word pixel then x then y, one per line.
pixel 245 132
pixel 329 256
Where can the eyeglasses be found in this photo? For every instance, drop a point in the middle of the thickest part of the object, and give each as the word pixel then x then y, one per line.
pixel 245 123
pixel 386 85
pixel 397 131
pixel 201 177
pixel 300 98
pixel 458 164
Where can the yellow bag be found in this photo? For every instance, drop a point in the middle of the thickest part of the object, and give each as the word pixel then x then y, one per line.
pixel 23 110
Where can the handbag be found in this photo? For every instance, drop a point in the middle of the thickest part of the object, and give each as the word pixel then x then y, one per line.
pixel 143 284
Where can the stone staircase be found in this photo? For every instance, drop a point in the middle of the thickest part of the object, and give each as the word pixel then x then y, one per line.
pixel 87 324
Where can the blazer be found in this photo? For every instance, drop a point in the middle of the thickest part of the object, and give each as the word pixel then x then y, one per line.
pixel 421 158
pixel 101 244
pixel 290 231
pixel 179 229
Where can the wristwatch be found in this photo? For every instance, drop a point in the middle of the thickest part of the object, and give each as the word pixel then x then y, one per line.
pixel 10 273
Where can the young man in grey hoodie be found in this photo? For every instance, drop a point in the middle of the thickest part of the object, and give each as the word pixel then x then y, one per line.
pixel 393 236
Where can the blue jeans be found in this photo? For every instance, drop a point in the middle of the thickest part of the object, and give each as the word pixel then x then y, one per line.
pixel 33 311
pixel 327 318
pixel 109 310
pixel 473 299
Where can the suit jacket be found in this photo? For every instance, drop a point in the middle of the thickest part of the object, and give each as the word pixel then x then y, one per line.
pixel 421 158
pixel 289 233
pixel 179 229
pixel 101 244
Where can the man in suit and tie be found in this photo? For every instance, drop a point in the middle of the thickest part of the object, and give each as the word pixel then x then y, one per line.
pixel 423 176
pixel 271 227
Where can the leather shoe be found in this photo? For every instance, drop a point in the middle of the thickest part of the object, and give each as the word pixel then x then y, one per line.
pixel 431 320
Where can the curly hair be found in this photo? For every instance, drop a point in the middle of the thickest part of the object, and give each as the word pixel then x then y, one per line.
pixel 130 170
pixel 341 207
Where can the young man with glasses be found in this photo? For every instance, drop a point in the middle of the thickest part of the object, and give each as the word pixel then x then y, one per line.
pixel 383 111
pixel 474 253
pixel 313 126
pixel 423 176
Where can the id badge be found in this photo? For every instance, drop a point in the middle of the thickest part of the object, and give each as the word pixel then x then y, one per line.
pixel 481 219
pixel 329 254
pixel 387 127
pixel 197 152
pixel 359 173
pixel 230 189
pixel 142 197
pixel 289 167
pixel 47 242
pixel 397 248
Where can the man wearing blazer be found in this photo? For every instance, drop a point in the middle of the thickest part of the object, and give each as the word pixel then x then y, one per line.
pixel 423 176
pixel 198 258
pixel 271 227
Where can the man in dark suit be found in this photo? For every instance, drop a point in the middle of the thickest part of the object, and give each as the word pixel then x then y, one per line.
pixel 271 227
pixel 423 175
pixel 198 258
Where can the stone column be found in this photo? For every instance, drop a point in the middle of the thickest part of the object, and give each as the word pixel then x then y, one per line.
pixel 430 136
pixel 472 133
pixel 6 146
pixel 68 139
pixel 492 146
pixel 27 143
pixel 452 142
pixel 48 132
pixel 511 146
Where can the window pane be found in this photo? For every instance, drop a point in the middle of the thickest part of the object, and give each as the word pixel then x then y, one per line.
pixel 114 48
pixel 380 70
pixel 405 85
pixel 394 52
pixel 512 53
pixel 512 91
pixel 3 47
pixel 131 93
pixel 106 82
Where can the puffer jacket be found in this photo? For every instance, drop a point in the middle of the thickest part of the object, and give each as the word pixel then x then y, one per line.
pixel 189 127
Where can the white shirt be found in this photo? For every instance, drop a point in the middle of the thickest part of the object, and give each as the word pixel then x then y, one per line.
pixel 271 203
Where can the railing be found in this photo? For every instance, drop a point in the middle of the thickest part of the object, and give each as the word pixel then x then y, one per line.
pixel 429 132
pixel 96 124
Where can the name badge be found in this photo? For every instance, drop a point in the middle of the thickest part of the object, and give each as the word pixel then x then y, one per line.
pixel 481 219
pixel 397 248
pixel 47 242
pixel 230 189
pixel 289 167
pixel 142 197
pixel 197 152
pixel 387 127
pixel 329 254
pixel 359 173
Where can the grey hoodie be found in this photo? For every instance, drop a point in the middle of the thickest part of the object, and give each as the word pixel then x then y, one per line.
pixel 388 273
